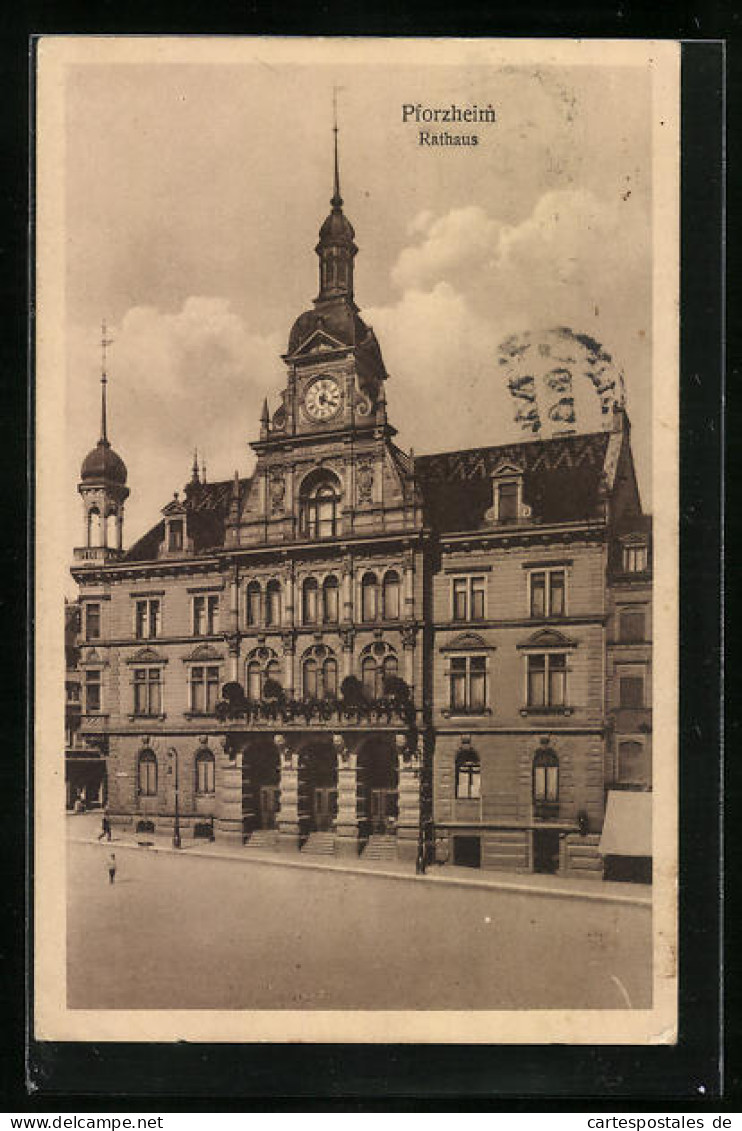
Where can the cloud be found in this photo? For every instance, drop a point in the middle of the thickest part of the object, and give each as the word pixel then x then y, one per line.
pixel 468 282
pixel 444 389
pixel 195 377
pixel 463 238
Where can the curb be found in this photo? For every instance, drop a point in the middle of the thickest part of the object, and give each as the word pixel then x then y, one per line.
pixel 511 886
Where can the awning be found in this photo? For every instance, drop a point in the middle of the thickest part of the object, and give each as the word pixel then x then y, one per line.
pixel 627 829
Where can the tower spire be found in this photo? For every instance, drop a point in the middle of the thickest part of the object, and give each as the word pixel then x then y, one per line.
pixel 105 342
pixel 194 468
pixel 337 200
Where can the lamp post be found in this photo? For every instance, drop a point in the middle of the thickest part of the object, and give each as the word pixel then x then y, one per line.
pixel 173 753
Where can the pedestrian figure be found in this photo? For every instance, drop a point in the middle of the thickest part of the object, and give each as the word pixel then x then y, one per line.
pixel 112 867
pixel 105 828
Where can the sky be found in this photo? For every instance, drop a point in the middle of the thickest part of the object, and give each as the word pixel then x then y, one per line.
pixel 193 195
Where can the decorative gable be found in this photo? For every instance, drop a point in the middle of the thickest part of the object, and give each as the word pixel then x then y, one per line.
pixel 146 656
pixel 548 638
pixel 468 642
pixel 507 470
pixel 205 653
pixel 319 342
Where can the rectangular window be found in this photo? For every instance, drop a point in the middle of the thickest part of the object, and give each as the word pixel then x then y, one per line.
pixel 92 692
pixel 635 559
pixel 459 598
pixel 631 690
pixel 547 680
pixel 468 676
pixel 507 504
pixel 204 689
pixel 469 598
pixel 175 535
pixel 147 618
pixel 548 593
pixel 632 765
pixel 631 626
pixel 206 615
pixel 147 691
pixel 92 621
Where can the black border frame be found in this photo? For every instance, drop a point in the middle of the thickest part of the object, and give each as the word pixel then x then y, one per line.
pixel 100 1077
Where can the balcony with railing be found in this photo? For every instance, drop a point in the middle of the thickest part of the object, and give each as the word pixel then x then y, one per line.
pixel 354 709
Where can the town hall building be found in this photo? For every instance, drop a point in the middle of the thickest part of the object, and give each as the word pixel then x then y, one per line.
pixel 444 659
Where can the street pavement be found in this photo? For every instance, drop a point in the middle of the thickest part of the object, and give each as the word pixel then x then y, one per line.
pixel 179 930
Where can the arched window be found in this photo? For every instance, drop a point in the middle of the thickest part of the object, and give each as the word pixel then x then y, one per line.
pixel 309 679
pixel 94 527
pixel 390 667
pixel 254 681
pixel 369 597
pixel 545 782
pixel 468 775
pixel 369 673
pixel 319 506
pixel 309 593
pixel 330 601
pixel 147 773
pixel 330 678
pixel 111 529
pixel 253 603
pixel 205 765
pixel 273 671
pixel 390 595
pixel 273 602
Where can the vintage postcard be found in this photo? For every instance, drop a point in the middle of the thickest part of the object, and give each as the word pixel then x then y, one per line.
pixel 356 555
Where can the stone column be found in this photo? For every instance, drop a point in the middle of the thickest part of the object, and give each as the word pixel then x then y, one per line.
pixel 346 825
pixel 288 820
pixel 290 610
pixel 348 637
pixel 409 768
pixel 233 627
pixel 229 787
pixel 409 636
pixel 408 580
pixel 347 590
pixel 288 639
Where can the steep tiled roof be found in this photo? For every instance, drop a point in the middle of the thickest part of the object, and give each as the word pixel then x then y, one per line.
pixel 207 505
pixel 561 478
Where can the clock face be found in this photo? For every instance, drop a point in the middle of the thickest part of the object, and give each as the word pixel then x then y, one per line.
pixel 323 399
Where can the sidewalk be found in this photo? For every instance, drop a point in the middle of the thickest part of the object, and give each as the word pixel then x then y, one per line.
pixel 84 829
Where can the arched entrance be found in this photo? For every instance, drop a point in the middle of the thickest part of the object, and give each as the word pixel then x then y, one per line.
pixel 378 784
pixel 318 785
pixel 260 766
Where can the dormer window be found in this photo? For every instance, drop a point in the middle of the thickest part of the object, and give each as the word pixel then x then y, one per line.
pixel 507 502
pixel 507 495
pixel 175 535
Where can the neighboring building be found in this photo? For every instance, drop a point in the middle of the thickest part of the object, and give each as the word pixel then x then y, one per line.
pixel 84 766
pixel 629 697
pixel 353 650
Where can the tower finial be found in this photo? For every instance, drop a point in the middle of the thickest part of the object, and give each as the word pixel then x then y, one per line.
pixel 105 342
pixel 194 468
pixel 337 200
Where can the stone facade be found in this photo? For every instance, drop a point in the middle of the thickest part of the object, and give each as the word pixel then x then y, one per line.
pixel 352 650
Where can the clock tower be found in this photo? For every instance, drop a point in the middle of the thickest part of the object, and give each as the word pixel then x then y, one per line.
pixel 331 425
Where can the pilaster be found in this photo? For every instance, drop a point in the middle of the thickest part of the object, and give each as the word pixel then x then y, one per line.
pixel 409 768
pixel 288 818
pixel 229 799
pixel 346 825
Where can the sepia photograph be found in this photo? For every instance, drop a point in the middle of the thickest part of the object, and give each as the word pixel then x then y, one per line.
pixel 356 553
